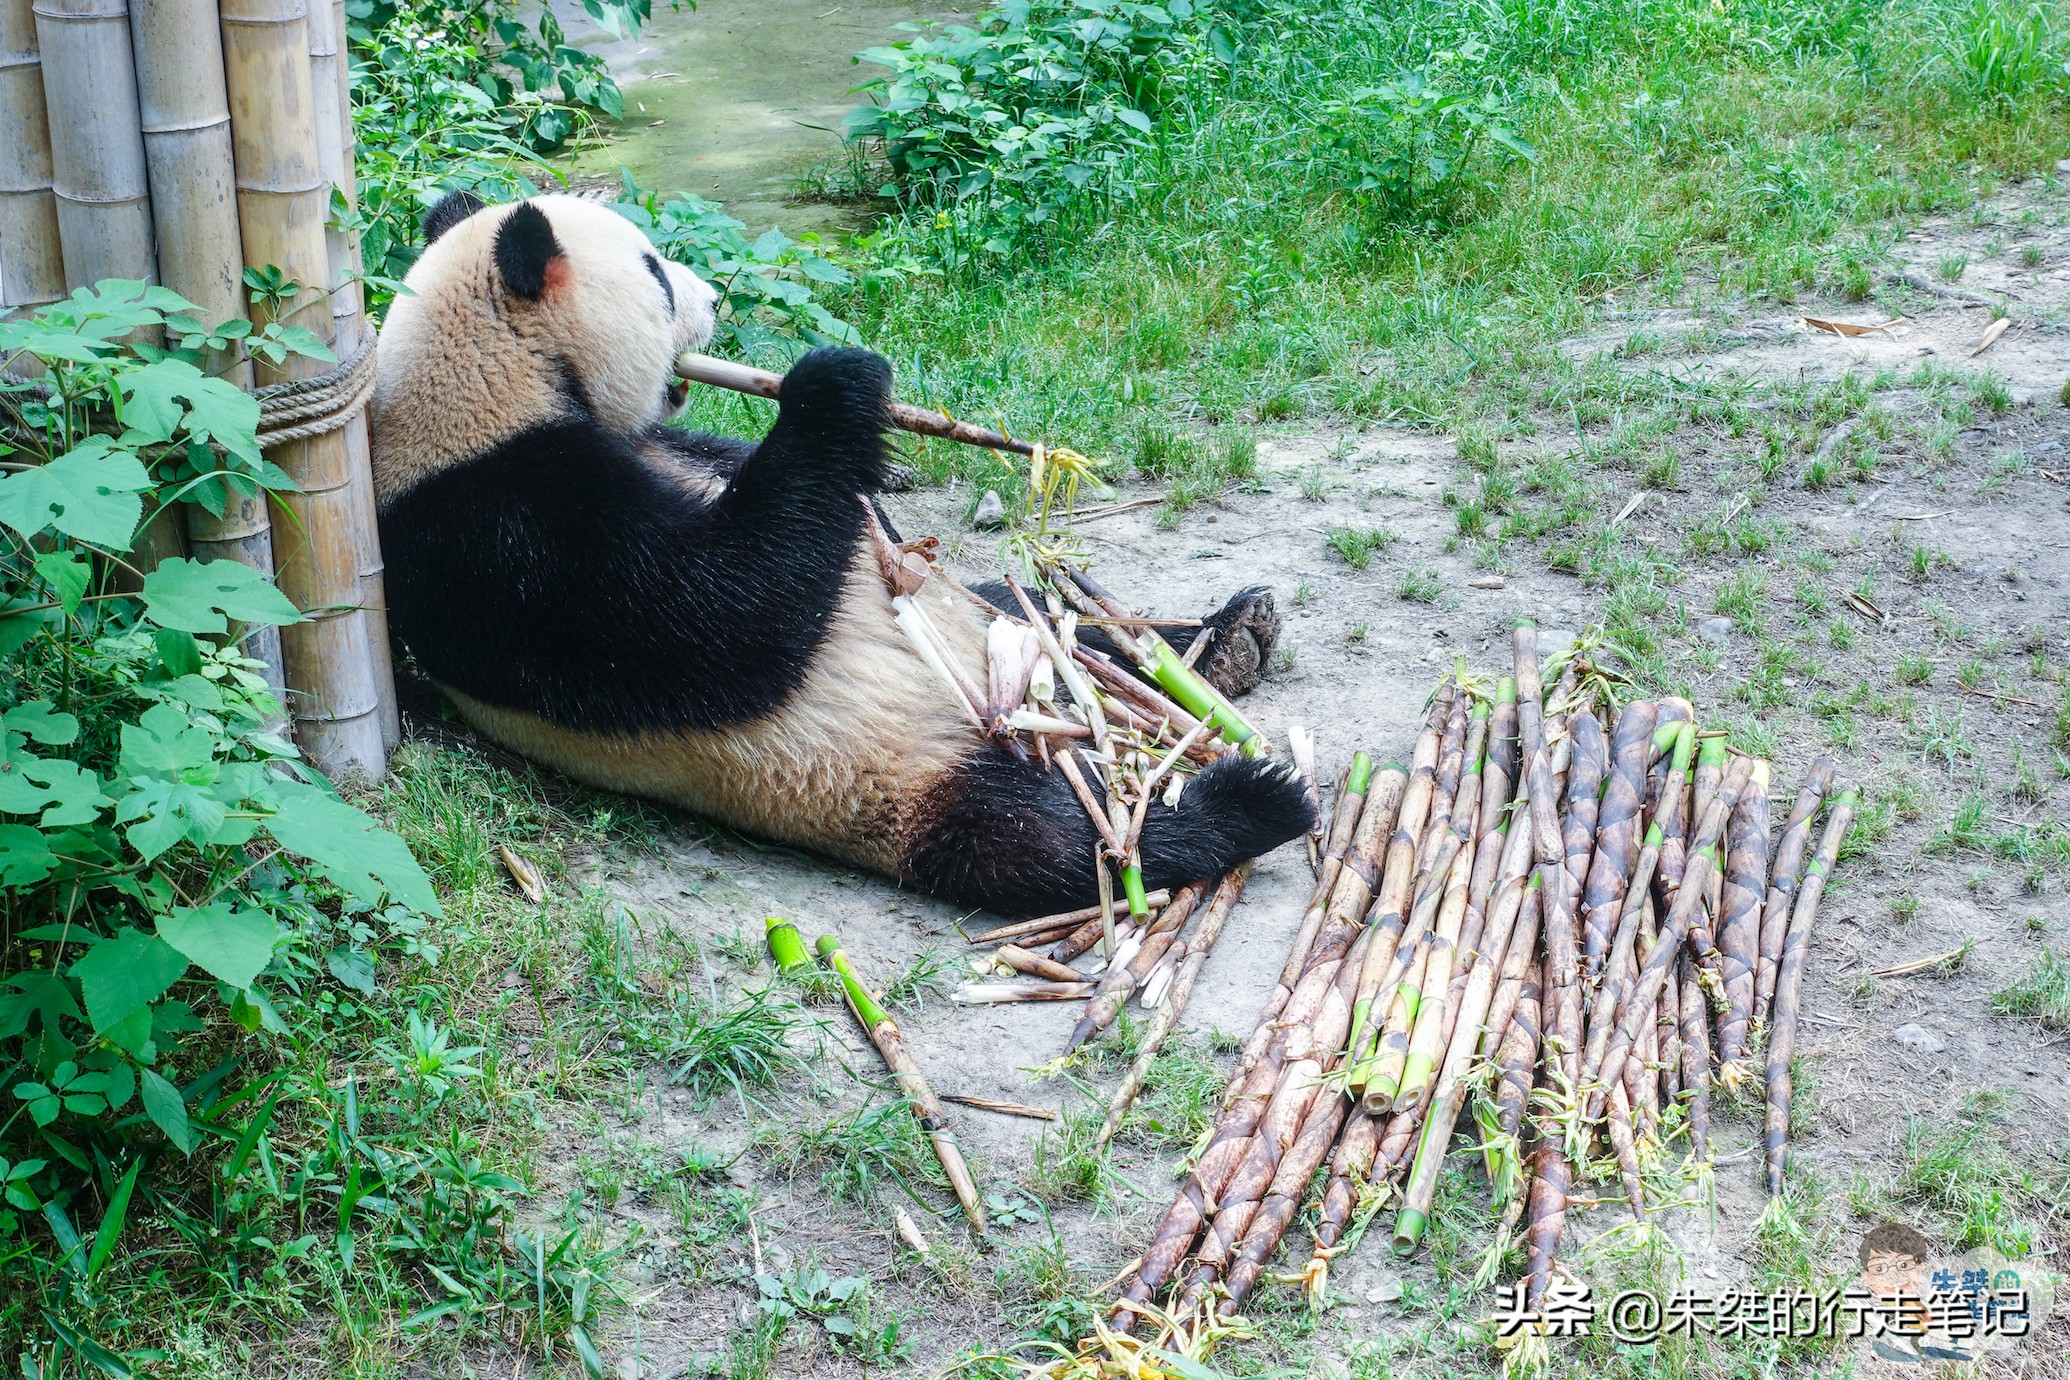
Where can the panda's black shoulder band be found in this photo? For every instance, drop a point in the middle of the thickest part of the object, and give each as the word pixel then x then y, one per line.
pixel 452 208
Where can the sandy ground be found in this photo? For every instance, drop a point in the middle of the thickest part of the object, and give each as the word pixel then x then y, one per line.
pixel 1363 659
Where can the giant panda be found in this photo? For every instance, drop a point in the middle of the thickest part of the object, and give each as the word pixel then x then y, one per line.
pixel 700 620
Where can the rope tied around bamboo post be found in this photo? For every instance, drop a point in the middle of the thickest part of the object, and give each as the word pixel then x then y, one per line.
pixel 300 408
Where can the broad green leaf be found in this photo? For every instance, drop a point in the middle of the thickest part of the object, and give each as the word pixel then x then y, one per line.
pixel 25 859
pixel 225 941
pixel 161 813
pixel 67 575
pixel 64 792
pixel 178 650
pixel 170 396
pixel 164 1105
pixel 354 852
pixel 46 725
pixel 39 994
pixel 90 492
pixel 195 596
pixel 123 975
pixel 164 743
pixel 354 968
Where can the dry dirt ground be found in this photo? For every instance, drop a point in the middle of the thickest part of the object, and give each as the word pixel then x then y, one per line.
pixel 1944 505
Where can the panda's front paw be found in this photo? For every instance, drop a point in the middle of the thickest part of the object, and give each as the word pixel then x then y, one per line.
pixel 835 386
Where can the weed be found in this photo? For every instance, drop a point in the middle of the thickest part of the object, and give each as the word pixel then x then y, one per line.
pixel 1358 545
pixel 1421 585
pixel 856 1155
pixel 2042 993
pixel 745 1046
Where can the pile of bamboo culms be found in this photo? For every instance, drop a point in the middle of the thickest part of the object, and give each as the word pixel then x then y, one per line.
pixel 177 142
pixel 1565 913
pixel 1123 736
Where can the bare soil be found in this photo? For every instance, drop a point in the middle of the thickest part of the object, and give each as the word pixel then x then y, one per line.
pixel 1991 511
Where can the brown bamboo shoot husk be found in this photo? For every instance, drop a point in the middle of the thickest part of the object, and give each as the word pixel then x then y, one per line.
pixel 1619 826
pixel 1283 1200
pixel 1343 825
pixel 1516 1062
pixel 1789 984
pixel 1673 930
pixel 1121 979
pixel 1035 965
pixel 1043 927
pixel 1696 1060
pixel 35 264
pixel 283 203
pixel 1618 1125
pixel 1739 923
pixel 1393 892
pixel 1788 865
pixel 1552 1182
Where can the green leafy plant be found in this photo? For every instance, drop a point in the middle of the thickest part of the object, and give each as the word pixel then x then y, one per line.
pixel 770 288
pixel 1000 126
pixel 176 877
pixel 1411 143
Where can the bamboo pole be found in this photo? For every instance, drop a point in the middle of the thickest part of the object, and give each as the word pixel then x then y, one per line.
pixel 96 141
pixel 1789 984
pixel 185 114
pixel 283 202
pixel 927 1110
pixel 331 90
pixel 98 173
pixel 760 383
pixel 32 264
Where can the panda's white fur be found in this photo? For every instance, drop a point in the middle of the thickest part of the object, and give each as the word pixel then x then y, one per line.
pixel 690 618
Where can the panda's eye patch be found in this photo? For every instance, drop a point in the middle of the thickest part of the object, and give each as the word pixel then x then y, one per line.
pixel 661 277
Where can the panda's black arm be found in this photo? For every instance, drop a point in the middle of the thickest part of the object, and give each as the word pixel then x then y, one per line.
pixel 699 451
pixel 562 575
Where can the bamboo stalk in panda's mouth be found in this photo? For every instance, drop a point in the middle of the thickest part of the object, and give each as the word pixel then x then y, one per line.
pixel 760 383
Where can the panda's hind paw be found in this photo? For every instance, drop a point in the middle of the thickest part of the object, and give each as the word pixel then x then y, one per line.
pixel 1243 634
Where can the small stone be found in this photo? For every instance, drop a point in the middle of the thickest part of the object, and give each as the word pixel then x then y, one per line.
pixel 1386 1291
pixel 2063 165
pixel 1920 1038
pixel 1552 642
pixel 1715 630
pixel 1486 582
pixel 991 512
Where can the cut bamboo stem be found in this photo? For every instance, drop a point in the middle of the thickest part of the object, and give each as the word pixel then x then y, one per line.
pixel 283 204
pixel 185 112
pixel 96 141
pixel 927 1110
pixel 1167 1017
pixel 1782 883
pixel 760 383
pixel 1035 965
pixel 1047 925
pixel 1789 985
pixel 1619 826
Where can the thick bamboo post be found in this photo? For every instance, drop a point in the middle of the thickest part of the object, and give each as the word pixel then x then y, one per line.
pixel 186 124
pixel 283 202
pixel 96 141
pixel 32 266
pixel 331 87
pixel 97 168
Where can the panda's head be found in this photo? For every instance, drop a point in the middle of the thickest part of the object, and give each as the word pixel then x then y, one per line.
pixel 518 313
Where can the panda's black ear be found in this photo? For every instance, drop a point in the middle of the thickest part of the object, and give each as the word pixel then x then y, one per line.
pixel 452 208
pixel 524 247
